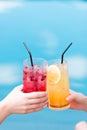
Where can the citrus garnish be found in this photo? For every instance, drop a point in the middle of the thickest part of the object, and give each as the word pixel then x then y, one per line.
pixel 53 74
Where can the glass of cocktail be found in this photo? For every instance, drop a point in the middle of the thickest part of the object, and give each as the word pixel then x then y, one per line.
pixel 34 77
pixel 57 84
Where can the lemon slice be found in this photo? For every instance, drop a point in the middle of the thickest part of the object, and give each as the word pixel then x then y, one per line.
pixel 53 74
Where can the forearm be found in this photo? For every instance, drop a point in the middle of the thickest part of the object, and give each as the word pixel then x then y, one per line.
pixel 4 111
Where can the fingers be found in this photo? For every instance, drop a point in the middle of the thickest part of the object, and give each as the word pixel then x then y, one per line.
pixel 36 109
pixel 34 95
pixel 37 104
pixel 73 96
pixel 33 106
pixel 38 100
pixel 32 110
pixel 81 126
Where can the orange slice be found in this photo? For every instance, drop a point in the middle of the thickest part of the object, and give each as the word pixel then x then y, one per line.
pixel 53 74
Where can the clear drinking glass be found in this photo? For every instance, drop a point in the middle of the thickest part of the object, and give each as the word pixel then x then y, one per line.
pixel 34 77
pixel 57 84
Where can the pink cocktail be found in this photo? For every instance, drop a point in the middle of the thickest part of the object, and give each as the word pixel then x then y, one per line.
pixel 34 78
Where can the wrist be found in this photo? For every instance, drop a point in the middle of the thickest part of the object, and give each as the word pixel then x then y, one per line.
pixel 4 110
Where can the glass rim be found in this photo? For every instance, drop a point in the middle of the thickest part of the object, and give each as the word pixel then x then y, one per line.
pixel 57 61
pixel 38 59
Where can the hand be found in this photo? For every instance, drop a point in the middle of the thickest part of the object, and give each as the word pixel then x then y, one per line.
pixel 77 101
pixel 81 126
pixel 18 102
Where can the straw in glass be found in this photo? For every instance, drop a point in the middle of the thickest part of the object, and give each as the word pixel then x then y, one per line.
pixel 62 56
pixel 30 55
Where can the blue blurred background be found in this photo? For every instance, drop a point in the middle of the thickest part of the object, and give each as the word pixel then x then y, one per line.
pixel 47 26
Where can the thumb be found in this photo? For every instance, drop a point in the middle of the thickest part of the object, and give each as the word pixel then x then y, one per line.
pixel 70 98
pixel 20 87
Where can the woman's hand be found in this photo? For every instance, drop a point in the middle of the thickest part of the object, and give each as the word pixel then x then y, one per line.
pixel 77 101
pixel 18 102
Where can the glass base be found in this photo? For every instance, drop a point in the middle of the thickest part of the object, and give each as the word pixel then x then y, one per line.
pixel 60 107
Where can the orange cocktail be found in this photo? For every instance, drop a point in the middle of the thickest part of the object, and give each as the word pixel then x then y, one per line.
pixel 58 85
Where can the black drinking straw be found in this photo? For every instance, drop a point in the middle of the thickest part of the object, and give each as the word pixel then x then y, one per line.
pixel 62 56
pixel 31 60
